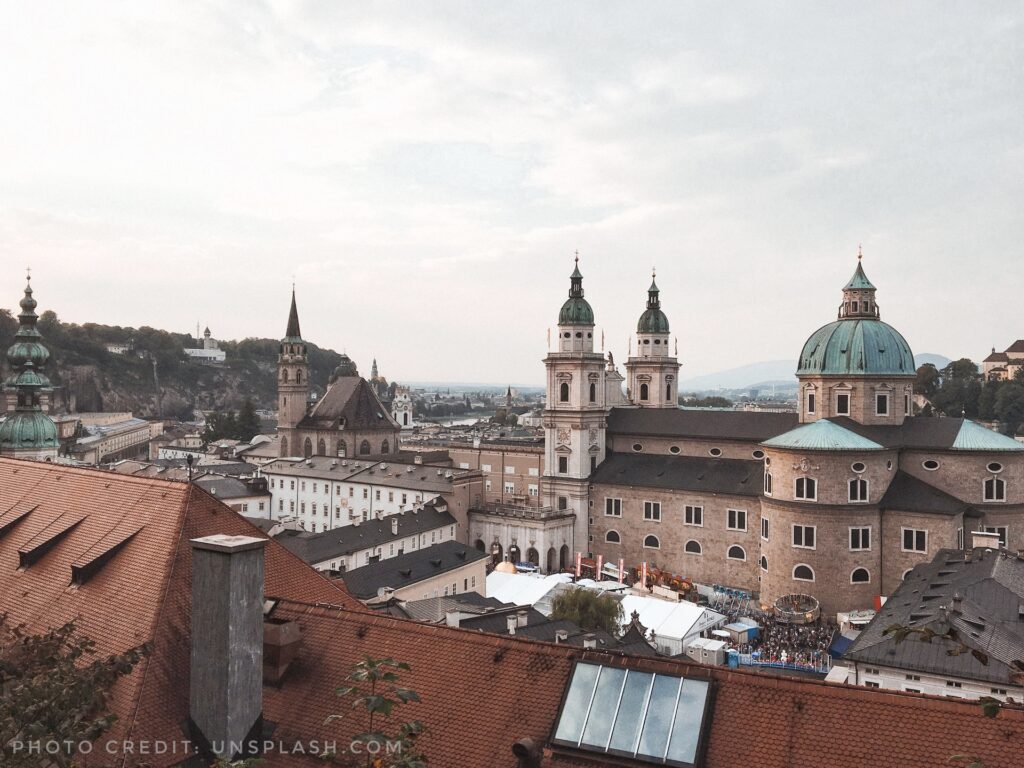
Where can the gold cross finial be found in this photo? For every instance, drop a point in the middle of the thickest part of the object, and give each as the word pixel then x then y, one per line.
pixel 654 273
pixel 577 255
pixel 28 273
pixel 860 253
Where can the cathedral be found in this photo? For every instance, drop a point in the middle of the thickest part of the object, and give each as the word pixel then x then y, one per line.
pixel 349 420
pixel 839 500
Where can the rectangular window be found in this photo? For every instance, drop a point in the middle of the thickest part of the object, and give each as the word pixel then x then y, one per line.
pixel 881 405
pixel 593 463
pixel 806 488
pixel 532 490
pixel 914 678
pixel 563 464
pixel 915 540
pixel 534 472
pixel 843 405
pixel 463 465
pixel 767 483
pixel 1001 530
pixel 871 684
pixel 391 496
pixel 303 485
pixel 858 489
pixel 764 528
pixel 351 491
pixel 693 515
pixel 959 538
pixel 810 402
pixel 510 470
pixel 563 503
pixel 485 467
pixel 510 487
pixel 652 510
pixel 803 536
pixel 860 539
pixel 613 507
pixel 487 485
pixel 906 404
pixel 736 519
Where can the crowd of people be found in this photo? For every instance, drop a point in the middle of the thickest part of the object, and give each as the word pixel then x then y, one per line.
pixel 798 645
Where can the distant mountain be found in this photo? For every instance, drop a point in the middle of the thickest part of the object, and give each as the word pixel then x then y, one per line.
pixel 780 373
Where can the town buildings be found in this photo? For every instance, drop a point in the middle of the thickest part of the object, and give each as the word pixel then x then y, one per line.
pixel 210 353
pixel 1004 366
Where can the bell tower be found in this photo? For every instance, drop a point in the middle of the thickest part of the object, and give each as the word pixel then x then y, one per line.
pixel 292 383
pixel 575 417
pixel 653 372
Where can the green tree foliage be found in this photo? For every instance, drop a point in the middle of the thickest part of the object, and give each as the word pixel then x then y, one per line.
pixel 374 691
pixel 707 402
pixel 959 390
pixel 928 380
pixel 589 609
pixel 1009 406
pixel 248 424
pixel 54 688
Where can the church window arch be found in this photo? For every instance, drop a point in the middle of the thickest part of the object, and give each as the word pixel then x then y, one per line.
pixel 563 392
pixel 321 448
pixel 645 391
pixel 284 375
pixel 385 447
pixel 593 392
pixel 612 537
pixel 284 446
pixel 364 447
pixel 298 376
pixel 307 448
pixel 342 451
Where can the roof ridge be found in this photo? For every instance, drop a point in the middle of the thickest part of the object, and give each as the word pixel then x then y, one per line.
pixel 89 471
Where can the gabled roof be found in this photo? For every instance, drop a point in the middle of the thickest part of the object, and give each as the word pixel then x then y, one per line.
pixel 998 357
pixel 978 594
pixel 822 435
pixel 974 437
pixel 721 425
pixel 1017 346
pixel 350 398
pixel 907 493
pixel 410 568
pixel 338 542
pixel 687 473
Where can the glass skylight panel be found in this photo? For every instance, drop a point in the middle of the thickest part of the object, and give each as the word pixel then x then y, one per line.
pixel 649 717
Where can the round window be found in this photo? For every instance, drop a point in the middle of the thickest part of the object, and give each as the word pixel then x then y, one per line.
pixel 590 335
pixel 715 451
pixel 767 461
pixel 858 466
pixel 673 449
pixel 888 464
pixel 930 464
pixel 657 341
pixel 995 466
pixel 579 334
pixel 758 454
pixel 638 447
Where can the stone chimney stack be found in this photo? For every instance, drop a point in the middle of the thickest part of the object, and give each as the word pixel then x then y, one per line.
pixel 512 623
pixel 226 685
pixel 984 540
pixel 394 525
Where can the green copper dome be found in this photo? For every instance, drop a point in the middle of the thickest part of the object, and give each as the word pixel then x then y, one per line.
pixel 856 347
pixel 576 310
pixel 27 346
pixel 24 430
pixel 653 320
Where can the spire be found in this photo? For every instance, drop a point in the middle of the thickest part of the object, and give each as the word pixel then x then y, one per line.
pixel 576 280
pixel 27 346
pixel 859 294
pixel 373 370
pixel 653 300
pixel 293 320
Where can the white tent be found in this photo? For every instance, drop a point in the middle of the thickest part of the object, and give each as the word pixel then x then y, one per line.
pixel 522 588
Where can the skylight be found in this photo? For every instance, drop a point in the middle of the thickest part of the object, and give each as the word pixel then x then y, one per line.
pixel 650 717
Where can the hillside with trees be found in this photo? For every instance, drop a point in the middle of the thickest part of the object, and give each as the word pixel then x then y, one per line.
pixel 156 378
pixel 958 389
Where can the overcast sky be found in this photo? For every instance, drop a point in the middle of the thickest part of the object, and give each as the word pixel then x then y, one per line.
pixel 426 171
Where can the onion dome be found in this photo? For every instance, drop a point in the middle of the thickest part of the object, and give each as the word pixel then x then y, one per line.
pixel 27 430
pixel 653 320
pixel 346 368
pixel 27 346
pixel 858 343
pixel 576 310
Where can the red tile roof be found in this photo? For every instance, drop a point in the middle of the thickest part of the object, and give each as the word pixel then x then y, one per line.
pixel 480 693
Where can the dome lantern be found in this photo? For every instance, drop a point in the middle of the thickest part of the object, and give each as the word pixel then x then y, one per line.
pixel 576 310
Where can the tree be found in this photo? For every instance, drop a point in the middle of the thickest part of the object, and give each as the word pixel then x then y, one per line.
pixel 53 689
pixel 248 424
pixel 375 690
pixel 960 389
pixel 928 380
pixel 1009 407
pixel 589 609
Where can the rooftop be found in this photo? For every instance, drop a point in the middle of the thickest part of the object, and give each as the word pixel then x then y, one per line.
pixel 384 471
pixel 933 433
pixel 822 435
pixel 685 473
pixel 749 426
pixel 411 568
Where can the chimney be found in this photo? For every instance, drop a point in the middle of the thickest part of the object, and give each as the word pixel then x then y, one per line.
pixel 512 623
pixel 452 618
pixel 521 618
pixel 590 641
pixel 394 525
pixel 984 540
pixel 561 636
pixel 226 685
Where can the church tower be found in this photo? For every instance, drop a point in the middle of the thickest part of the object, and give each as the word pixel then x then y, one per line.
pixel 575 416
pixel 653 372
pixel 27 432
pixel 292 383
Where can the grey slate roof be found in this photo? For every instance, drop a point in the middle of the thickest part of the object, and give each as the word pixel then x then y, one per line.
pixel 990 585
pixel 685 473
pixel 339 542
pixel 227 488
pixel 933 433
pixel 434 609
pixel 911 494
pixel 725 425
pixel 410 568
pixel 350 398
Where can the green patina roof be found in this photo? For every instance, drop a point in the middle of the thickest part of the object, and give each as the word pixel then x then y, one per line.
pixel 28 429
pixel 576 310
pixel 653 320
pixel 974 437
pixel 856 347
pixel 859 281
pixel 822 435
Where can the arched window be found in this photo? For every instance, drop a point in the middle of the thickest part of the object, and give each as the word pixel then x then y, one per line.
pixel 764 563
pixel 321 448
pixel 533 556
pixel 860 576
pixel 307 448
pixel 858 489
pixel 563 392
pixel 284 446
pixel 385 447
pixel 995 489
pixel 593 393
pixel 803 573
pixel 405 419
pixel 768 483
pixel 479 544
pixel 806 488
pixel 284 375
pixel 644 391
pixel 906 573
pixel 298 376
pixel 364 448
pixel 342 451
pixel 736 552
pixel 651 542
pixel 692 546
pixel 612 537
